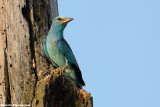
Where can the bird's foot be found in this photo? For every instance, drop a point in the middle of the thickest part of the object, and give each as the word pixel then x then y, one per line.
pixel 60 69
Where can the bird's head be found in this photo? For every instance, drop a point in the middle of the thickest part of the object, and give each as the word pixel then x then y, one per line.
pixel 59 23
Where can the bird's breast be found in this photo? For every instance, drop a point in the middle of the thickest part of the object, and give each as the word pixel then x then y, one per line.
pixel 55 53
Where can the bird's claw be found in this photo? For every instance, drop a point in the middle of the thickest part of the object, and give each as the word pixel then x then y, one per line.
pixel 62 69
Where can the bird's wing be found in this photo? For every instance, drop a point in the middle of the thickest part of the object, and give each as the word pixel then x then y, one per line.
pixel 67 52
pixel 45 48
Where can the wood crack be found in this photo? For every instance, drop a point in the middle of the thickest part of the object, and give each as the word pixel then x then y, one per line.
pixel 6 73
pixel 26 14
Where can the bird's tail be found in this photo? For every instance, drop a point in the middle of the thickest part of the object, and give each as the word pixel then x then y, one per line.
pixel 78 84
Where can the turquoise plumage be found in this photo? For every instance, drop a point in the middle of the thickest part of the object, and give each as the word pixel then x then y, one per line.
pixel 57 50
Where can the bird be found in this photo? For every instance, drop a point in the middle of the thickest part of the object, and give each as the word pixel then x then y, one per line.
pixel 58 50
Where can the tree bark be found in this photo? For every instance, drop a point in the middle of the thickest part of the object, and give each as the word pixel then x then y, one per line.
pixel 25 77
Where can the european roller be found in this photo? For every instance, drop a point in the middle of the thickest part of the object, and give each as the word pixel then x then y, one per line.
pixel 57 50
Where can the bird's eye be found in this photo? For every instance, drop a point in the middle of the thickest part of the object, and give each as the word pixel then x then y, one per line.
pixel 59 19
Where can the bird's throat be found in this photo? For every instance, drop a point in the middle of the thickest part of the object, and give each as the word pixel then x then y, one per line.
pixel 56 36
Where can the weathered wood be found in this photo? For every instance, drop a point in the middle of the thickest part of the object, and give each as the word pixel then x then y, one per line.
pixel 57 90
pixel 24 74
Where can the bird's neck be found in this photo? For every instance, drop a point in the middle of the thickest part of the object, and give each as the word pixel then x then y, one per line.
pixel 56 35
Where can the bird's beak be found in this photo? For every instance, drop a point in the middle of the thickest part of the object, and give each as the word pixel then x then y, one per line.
pixel 67 20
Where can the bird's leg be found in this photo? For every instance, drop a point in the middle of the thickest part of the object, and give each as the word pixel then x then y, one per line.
pixel 63 69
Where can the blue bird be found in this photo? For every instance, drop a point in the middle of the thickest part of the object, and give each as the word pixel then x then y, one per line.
pixel 57 50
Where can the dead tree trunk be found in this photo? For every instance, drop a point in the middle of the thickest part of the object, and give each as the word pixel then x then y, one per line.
pixel 24 74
